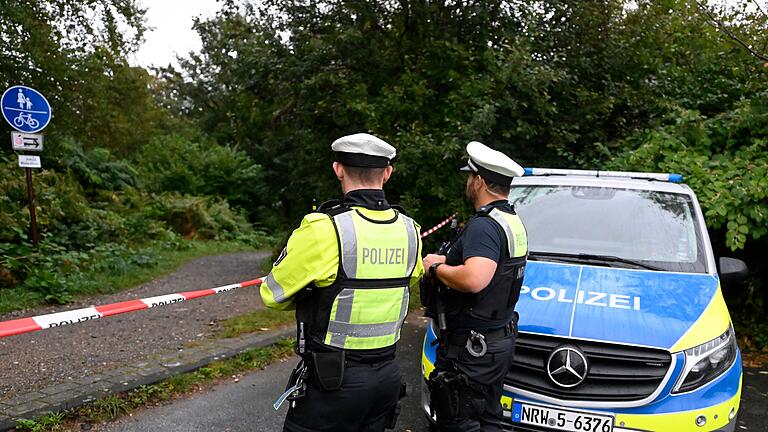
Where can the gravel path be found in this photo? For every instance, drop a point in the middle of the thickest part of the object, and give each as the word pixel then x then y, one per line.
pixel 36 360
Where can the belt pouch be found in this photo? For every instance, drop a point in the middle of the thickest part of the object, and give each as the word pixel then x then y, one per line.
pixel 329 369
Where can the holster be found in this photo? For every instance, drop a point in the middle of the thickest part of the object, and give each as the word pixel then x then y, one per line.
pixel 328 369
pixel 395 413
pixel 454 396
pixel 428 295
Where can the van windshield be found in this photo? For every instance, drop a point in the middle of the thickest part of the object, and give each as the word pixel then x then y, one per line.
pixel 654 229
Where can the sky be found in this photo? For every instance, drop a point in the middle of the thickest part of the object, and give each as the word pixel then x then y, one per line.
pixel 170 30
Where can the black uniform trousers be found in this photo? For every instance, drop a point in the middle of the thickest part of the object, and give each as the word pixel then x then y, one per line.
pixel 367 396
pixel 488 372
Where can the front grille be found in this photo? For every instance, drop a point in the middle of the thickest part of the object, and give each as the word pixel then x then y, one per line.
pixel 616 372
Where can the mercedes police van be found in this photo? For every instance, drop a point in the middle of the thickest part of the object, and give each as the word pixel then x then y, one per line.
pixel 623 326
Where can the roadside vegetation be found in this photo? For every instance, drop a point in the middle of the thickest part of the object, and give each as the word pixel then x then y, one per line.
pixel 113 407
pixel 111 224
pixel 232 144
pixel 259 320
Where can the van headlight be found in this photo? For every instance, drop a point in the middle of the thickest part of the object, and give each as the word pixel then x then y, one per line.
pixel 707 361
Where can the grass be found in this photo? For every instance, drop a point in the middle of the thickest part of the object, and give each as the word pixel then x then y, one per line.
pixel 260 320
pixel 167 262
pixel 115 406
pixel 150 263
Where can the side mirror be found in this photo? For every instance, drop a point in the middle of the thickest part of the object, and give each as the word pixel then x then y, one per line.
pixel 732 272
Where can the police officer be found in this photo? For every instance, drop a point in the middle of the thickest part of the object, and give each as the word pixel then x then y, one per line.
pixel 483 271
pixel 347 270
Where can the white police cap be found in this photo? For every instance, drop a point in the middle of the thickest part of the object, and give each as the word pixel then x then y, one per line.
pixel 363 150
pixel 494 166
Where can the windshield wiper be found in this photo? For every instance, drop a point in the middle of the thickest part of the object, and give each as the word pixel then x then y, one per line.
pixel 592 258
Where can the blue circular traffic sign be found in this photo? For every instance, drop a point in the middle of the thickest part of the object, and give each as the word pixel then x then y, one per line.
pixel 25 109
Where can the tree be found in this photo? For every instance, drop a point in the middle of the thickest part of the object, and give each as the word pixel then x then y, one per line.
pixel 560 83
pixel 75 53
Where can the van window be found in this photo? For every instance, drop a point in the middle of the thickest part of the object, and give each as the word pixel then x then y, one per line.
pixel 656 228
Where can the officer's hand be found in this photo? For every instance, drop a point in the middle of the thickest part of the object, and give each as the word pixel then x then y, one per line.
pixel 431 259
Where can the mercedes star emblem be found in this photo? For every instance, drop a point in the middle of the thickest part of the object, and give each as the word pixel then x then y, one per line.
pixel 567 366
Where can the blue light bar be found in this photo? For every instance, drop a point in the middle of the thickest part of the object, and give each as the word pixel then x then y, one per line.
pixel 673 178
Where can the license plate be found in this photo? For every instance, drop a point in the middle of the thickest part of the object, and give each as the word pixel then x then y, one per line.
pixel 561 419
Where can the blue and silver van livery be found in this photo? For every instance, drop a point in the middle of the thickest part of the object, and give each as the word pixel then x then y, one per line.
pixel 623 326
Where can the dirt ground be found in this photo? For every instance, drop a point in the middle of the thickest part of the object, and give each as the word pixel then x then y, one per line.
pixel 40 359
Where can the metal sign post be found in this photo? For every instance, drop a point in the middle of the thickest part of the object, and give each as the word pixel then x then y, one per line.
pixel 32 215
pixel 27 111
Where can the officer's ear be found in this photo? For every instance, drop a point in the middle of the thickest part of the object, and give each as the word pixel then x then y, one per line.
pixel 388 172
pixel 338 169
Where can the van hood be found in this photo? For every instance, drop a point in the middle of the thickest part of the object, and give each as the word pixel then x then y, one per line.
pixel 639 307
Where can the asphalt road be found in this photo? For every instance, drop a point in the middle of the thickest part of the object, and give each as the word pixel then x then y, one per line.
pixel 247 405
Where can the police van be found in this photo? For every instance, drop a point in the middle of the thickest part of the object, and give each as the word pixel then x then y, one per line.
pixel 623 326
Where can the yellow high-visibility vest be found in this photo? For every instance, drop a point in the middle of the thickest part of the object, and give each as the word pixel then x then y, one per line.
pixel 366 306
pixel 517 237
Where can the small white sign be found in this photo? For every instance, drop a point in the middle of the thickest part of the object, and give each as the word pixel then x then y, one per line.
pixel 26 142
pixel 26 161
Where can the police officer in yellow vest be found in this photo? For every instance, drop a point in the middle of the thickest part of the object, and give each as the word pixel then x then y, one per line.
pixel 347 271
pixel 483 271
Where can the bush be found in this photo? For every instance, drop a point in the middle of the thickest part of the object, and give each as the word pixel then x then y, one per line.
pixel 94 218
pixel 197 217
pixel 174 163
pixel 723 158
pixel 95 168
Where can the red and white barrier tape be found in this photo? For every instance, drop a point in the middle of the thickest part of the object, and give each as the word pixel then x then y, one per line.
pixel 438 226
pixel 42 322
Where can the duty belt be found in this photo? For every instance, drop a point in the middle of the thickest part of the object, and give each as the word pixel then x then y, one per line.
pixel 476 342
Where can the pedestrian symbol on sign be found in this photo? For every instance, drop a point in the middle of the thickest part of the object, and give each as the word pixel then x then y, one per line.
pixel 25 109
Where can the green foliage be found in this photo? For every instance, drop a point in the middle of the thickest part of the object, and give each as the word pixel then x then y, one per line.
pixel 48 422
pixel 75 52
pixel 51 285
pixel 148 393
pixel 199 217
pixel 110 408
pixel 100 224
pixel 723 158
pixel 106 269
pixel 557 83
pixel 641 85
pixel 95 168
pixel 198 167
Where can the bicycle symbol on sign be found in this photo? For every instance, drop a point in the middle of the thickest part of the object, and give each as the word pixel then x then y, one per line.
pixel 25 109
pixel 27 119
